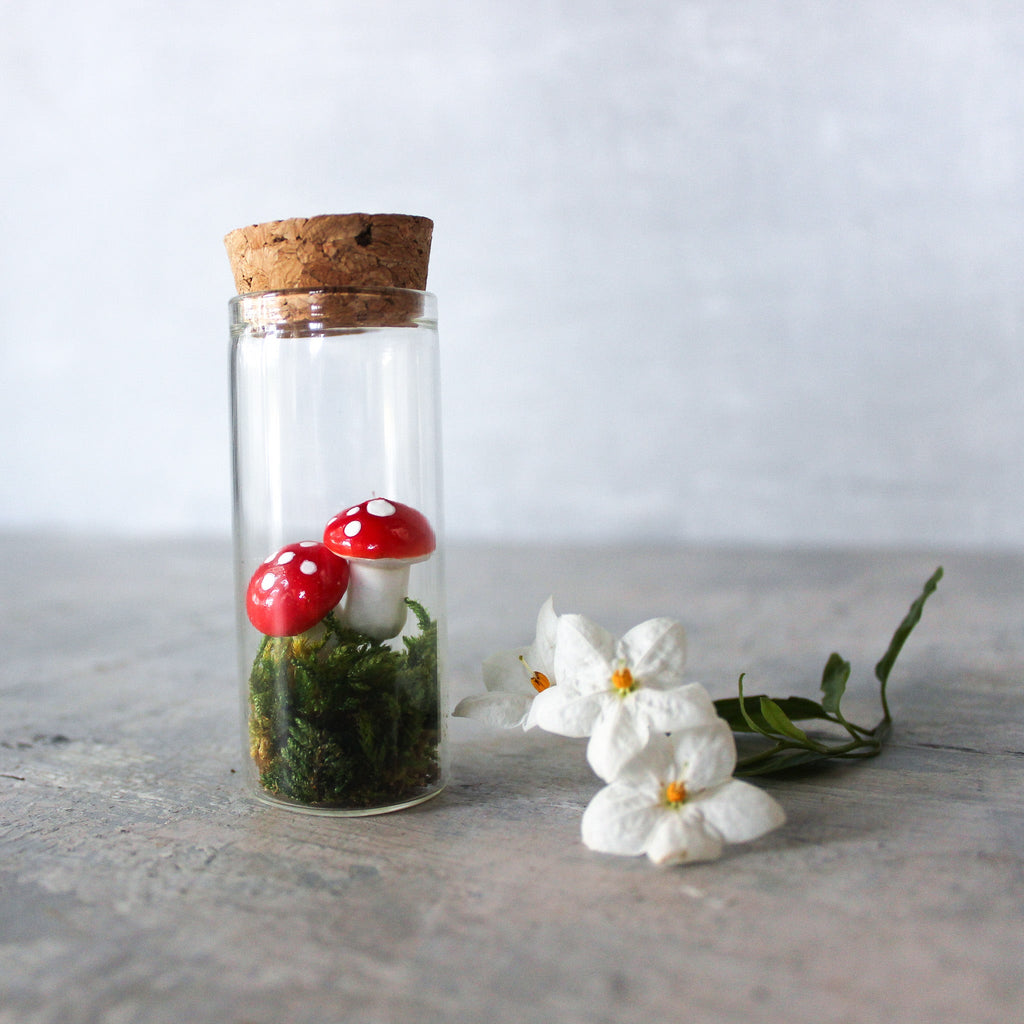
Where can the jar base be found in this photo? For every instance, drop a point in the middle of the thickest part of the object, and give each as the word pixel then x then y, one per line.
pixel 344 812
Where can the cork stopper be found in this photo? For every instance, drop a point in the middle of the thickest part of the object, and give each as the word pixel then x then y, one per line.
pixel 353 250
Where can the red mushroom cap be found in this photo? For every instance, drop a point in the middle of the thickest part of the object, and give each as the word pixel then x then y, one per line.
pixel 295 588
pixel 380 529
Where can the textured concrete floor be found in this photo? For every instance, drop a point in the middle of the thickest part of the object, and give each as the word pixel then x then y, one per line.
pixel 139 883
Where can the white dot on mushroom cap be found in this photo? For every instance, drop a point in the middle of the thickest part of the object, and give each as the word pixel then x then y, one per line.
pixel 352 511
pixel 307 544
pixel 286 558
pixel 352 528
pixel 380 507
pixel 308 567
pixel 269 579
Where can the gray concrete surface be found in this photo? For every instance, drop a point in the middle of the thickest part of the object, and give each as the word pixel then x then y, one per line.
pixel 139 883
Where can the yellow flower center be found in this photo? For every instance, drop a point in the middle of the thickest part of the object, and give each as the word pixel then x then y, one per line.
pixel 622 680
pixel 675 793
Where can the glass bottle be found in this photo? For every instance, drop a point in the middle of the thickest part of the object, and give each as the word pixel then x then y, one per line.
pixel 337 526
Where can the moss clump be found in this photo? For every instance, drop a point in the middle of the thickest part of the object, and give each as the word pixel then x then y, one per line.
pixel 337 719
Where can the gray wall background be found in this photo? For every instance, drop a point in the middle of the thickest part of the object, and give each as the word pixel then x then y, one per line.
pixel 714 270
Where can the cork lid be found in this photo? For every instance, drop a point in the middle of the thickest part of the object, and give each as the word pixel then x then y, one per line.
pixel 352 250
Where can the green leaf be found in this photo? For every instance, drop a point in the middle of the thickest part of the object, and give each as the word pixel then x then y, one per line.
pixel 729 709
pixel 899 638
pixel 785 755
pixel 751 725
pixel 781 761
pixel 795 708
pixel 789 746
pixel 779 721
pixel 903 630
pixel 833 682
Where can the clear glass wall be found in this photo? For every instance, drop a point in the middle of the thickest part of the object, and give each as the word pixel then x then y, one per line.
pixel 335 413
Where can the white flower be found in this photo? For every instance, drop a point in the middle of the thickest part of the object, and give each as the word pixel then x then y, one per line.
pixel 618 691
pixel 676 801
pixel 514 678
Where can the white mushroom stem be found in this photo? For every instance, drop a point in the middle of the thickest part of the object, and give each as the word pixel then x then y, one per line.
pixel 375 600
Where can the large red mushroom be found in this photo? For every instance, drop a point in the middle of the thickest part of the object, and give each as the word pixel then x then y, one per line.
pixel 295 588
pixel 381 539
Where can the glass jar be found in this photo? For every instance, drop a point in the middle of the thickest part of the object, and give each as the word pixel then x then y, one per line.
pixel 339 567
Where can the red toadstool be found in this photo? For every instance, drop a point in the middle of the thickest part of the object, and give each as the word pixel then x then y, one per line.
pixel 295 588
pixel 381 539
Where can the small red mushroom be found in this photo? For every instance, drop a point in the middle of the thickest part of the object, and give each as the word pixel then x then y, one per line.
pixel 295 588
pixel 381 540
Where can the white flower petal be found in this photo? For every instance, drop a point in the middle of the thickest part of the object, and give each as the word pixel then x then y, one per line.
pixel 617 736
pixel 563 711
pixel 679 837
pixel 583 654
pixel 705 756
pixel 655 652
pixel 541 654
pixel 618 820
pixel 683 707
pixel 530 720
pixel 652 767
pixel 504 710
pixel 505 671
pixel 512 671
pixel 740 812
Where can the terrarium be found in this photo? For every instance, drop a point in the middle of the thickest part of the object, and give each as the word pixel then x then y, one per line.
pixel 337 512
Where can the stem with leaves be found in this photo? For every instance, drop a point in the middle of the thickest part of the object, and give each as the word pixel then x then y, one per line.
pixel 789 746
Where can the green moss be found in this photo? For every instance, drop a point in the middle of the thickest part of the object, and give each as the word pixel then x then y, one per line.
pixel 337 719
